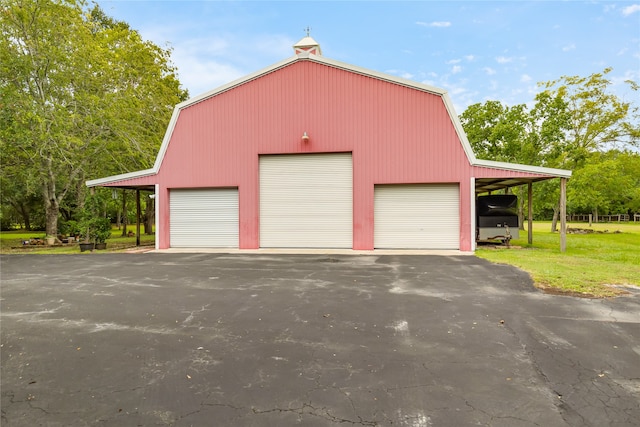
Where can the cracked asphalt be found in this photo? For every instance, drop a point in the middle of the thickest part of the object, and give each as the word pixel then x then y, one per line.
pixel 313 340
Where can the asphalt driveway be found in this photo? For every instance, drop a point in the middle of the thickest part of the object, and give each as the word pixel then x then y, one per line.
pixel 313 340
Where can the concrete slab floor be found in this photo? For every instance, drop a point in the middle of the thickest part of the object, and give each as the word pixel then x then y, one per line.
pixel 200 339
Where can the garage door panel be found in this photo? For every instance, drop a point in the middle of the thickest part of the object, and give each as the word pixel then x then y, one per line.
pixel 425 216
pixel 306 200
pixel 204 217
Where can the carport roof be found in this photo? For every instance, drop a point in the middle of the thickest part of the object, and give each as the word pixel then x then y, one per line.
pixel 484 185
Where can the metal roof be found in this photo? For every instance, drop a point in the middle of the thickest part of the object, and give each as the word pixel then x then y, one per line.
pixel 541 173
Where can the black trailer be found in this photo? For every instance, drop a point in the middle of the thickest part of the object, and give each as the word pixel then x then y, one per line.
pixel 497 218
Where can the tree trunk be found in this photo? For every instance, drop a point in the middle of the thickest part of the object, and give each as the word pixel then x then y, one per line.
pixel 51 204
pixel 24 211
pixel 51 208
pixel 27 221
pixel 554 221
pixel 124 213
pixel 149 214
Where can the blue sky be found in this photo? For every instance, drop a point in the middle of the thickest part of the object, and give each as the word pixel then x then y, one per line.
pixel 475 50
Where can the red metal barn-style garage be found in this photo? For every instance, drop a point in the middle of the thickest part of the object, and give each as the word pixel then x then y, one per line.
pixel 316 153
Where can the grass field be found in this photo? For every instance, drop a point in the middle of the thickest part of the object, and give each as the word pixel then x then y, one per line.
pixel 11 242
pixel 592 264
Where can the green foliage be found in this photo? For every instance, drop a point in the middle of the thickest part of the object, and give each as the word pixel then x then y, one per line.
pixel 608 183
pixel 598 120
pixel 94 225
pixel 70 228
pixel 576 123
pixel 102 227
pixel 83 96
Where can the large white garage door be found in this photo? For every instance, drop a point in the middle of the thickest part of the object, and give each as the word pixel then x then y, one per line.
pixel 204 218
pixel 306 201
pixel 417 216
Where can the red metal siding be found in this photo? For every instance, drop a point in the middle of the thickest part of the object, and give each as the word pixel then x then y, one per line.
pixel 397 135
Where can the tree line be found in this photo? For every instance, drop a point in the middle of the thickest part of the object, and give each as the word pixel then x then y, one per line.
pixel 83 95
pixel 574 123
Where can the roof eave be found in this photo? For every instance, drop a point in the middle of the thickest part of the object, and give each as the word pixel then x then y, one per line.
pixel 117 178
pixel 560 173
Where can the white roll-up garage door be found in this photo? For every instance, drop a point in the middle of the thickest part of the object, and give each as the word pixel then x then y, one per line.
pixel 306 201
pixel 204 218
pixel 424 216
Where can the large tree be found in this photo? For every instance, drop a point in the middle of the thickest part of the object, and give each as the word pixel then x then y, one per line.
pixel 597 119
pixel 608 183
pixel 82 95
pixel 573 119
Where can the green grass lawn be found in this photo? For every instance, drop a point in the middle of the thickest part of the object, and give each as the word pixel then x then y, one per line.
pixel 591 264
pixel 11 242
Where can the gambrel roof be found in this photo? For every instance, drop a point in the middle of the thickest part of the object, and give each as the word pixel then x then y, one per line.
pixel 518 173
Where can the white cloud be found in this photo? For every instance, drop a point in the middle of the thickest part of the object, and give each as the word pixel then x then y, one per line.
pixel 525 78
pixel 469 57
pixel 503 59
pixel 453 61
pixel 438 24
pixel 490 71
pixel 202 76
pixel 631 9
pixel 456 69
pixel 208 62
pixel 569 47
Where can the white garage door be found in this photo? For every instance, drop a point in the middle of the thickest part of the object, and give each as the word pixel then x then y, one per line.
pixel 306 201
pixel 204 218
pixel 417 216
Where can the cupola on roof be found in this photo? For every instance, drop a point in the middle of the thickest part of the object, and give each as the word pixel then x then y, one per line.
pixel 307 44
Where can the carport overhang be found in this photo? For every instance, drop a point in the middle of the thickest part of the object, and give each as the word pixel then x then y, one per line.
pixel 508 175
pixel 130 182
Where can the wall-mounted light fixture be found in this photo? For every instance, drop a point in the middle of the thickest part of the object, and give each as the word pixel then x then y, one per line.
pixel 305 137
